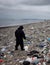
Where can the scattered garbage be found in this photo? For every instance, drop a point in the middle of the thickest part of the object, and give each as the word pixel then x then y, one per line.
pixel 33 60
pixel 39 54
pixel 33 52
pixel 34 57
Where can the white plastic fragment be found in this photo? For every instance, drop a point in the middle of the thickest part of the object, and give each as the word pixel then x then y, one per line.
pixel 29 59
pixel 32 28
pixel 44 63
pixel 4 56
pixel 26 48
pixel 39 63
pixel 3 49
pixel 21 61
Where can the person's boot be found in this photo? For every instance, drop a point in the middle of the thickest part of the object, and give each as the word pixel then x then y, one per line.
pixel 22 49
pixel 16 49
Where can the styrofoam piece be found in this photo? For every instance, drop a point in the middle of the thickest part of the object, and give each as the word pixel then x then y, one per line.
pixel 26 48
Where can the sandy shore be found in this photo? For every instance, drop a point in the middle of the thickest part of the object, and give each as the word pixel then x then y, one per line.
pixel 36 32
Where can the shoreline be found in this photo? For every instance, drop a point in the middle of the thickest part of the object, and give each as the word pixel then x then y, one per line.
pixel 14 25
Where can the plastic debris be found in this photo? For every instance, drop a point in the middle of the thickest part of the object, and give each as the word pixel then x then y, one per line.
pixel 44 63
pixel 1 60
pixel 26 63
pixel 33 52
pixel 4 56
pixel 32 28
pixel 1 54
pixel 39 63
pixel 3 64
pixel 29 59
pixel 26 48
pixel 3 49
pixel 21 61
pixel 48 61
pixel 48 39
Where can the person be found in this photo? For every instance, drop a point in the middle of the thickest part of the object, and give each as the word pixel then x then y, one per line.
pixel 20 35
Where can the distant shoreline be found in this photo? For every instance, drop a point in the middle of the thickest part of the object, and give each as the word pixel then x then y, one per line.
pixel 14 25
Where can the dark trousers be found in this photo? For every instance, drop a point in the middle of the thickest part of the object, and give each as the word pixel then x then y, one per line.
pixel 21 45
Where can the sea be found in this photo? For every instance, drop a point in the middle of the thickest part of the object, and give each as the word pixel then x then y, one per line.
pixel 13 22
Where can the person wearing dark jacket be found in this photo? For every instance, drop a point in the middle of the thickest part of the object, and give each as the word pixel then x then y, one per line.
pixel 20 35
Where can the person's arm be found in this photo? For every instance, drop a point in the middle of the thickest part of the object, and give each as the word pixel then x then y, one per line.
pixel 23 35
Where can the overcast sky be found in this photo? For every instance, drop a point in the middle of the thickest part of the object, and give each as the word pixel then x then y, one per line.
pixel 22 9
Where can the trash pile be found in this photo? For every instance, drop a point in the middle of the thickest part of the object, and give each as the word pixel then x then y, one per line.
pixel 37 45
pixel 38 57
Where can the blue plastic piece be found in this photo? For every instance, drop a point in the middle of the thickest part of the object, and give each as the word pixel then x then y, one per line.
pixel 48 39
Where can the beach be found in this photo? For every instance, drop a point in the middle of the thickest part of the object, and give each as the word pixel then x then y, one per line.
pixel 36 32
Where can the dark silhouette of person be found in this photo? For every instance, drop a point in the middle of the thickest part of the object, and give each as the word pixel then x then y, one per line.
pixel 20 35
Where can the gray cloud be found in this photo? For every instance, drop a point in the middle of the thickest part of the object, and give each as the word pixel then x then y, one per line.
pixel 13 3
pixel 10 3
pixel 19 9
pixel 17 3
pixel 36 2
